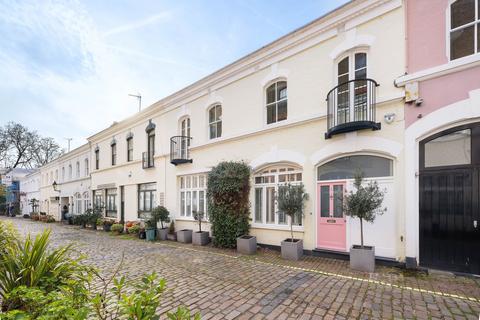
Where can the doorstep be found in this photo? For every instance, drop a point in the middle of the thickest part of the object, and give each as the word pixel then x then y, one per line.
pixel 383 261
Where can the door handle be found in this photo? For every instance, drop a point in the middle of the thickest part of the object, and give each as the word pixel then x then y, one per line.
pixel 475 224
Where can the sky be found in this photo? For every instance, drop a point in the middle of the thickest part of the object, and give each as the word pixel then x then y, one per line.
pixel 67 67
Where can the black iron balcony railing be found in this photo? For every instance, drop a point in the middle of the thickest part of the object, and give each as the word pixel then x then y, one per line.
pixel 180 150
pixel 351 106
pixel 148 160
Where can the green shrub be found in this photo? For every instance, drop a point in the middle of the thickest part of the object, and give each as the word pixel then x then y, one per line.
pixel 228 192
pixel 135 229
pixel 49 219
pixel 32 264
pixel 117 227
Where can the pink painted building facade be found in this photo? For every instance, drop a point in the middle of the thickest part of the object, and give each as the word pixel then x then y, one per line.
pixel 442 135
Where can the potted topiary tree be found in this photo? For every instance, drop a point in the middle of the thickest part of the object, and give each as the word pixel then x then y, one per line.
pixel 291 201
pixel 365 204
pixel 200 237
pixel 161 213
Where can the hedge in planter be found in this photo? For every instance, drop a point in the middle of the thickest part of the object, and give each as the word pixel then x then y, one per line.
pixel 228 202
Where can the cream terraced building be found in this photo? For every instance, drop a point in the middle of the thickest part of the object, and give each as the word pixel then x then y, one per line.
pixel 65 183
pixel 310 107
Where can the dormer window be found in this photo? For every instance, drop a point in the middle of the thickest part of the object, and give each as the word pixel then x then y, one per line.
pixel 464 28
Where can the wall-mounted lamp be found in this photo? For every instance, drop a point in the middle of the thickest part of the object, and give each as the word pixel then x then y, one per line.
pixel 55 186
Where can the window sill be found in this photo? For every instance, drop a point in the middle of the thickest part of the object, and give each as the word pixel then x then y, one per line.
pixel 191 219
pixel 277 227
pixel 440 70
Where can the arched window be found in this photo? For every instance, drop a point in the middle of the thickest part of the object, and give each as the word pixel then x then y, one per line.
pixel 266 185
pixel 346 168
pixel 56 175
pixel 185 132
pixel 77 169
pixel 464 25
pixel 86 200
pixel 87 169
pixel 63 174
pixel 215 121
pixel 70 172
pixel 352 67
pixel 276 97
pixel 78 203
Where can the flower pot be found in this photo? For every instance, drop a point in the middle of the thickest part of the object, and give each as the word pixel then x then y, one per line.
pixel 247 244
pixel 162 234
pixel 172 237
pixel 292 250
pixel 142 234
pixel 107 227
pixel 201 238
pixel 150 234
pixel 362 259
pixel 184 236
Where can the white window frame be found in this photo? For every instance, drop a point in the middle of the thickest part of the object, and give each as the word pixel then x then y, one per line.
pixel 70 172
pixel 449 30
pixel 351 76
pixel 78 203
pixel 86 200
pixel 87 169
pixel 266 104
pixel 188 186
pixel 265 172
pixel 215 122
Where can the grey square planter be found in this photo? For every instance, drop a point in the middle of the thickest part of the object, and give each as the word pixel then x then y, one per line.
pixel 184 236
pixel 362 259
pixel 172 236
pixel 292 250
pixel 247 245
pixel 201 238
pixel 162 234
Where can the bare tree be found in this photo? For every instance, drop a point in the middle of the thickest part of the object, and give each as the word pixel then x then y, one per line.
pixel 24 148
pixel 46 150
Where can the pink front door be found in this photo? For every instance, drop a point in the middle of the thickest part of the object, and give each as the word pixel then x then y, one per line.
pixel 331 227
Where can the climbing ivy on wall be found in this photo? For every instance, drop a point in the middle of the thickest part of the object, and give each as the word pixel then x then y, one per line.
pixel 228 192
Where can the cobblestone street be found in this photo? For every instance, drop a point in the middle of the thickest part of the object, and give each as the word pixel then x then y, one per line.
pixel 223 285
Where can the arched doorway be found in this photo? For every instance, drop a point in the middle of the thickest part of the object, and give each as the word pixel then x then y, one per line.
pixel 449 209
pixel 334 178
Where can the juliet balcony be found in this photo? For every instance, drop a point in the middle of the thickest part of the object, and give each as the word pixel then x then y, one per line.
pixel 180 150
pixel 148 160
pixel 351 106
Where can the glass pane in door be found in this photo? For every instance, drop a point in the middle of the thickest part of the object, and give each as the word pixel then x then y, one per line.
pixel 325 201
pixel 270 204
pixel 337 201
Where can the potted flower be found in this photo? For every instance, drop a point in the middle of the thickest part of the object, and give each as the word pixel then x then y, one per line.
pixel 134 229
pixel 200 237
pixel 365 204
pixel 171 232
pixel 161 214
pixel 117 228
pixel 291 201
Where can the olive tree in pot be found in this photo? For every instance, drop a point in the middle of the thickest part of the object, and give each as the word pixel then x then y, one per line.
pixel 365 204
pixel 200 237
pixel 291 201
pixel 161 214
